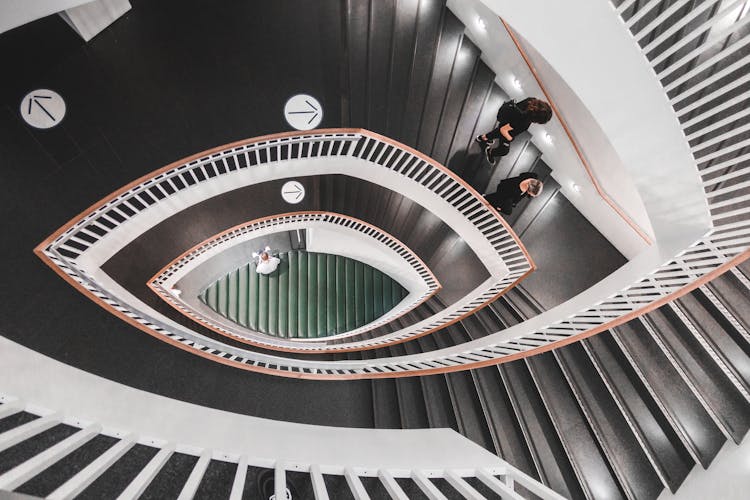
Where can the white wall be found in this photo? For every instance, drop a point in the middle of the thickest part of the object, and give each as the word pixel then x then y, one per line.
pixel 587 45
pixel 501 55
pixel 17 12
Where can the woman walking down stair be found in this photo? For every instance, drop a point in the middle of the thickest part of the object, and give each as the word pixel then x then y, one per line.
pixel 513 118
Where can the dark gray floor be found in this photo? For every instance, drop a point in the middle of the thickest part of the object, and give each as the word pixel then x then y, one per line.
pixel 172 78
pixel 138 261
pixel 165 81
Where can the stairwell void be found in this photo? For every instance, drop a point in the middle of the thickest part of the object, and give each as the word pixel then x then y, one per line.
pixel 626 413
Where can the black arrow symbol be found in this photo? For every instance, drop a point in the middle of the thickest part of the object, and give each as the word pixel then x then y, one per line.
pixel 313 110
pixel 298 192
pixel 35 100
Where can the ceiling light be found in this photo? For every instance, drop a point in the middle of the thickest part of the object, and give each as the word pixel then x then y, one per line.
pixel 516 83
pixel 481 24
pixel 576 187
pixel 547 138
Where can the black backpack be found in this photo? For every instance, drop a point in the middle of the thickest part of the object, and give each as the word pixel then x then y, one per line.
pixel 507 110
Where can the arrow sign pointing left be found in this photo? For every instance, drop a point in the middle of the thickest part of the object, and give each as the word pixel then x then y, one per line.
pixel 43 108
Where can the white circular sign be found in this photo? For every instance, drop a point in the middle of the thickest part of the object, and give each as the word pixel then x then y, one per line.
pixel 43 108
pixel 303 112
pixel 293 192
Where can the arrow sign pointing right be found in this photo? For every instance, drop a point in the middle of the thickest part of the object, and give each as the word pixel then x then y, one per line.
pixel 303 112
pixel 292 192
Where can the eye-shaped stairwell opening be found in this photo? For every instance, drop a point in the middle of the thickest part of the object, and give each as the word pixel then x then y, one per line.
pixel 625 413
pixel 312 295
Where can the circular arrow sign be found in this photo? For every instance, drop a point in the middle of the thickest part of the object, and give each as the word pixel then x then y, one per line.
pixel 293 192
pixel 42 108
pixel 303 112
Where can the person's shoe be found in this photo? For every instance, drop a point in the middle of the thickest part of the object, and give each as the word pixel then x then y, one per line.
pixel 488 155
pixel 481 141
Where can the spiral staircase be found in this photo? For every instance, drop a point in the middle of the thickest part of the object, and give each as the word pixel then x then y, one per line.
pixel 626 413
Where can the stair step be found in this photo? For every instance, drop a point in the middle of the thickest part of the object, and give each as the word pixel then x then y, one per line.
pixel 429 23
pixel 697 430
pixel 732 289
pixel 411 399
pixel 387 413
pixel 722 399
pixel 412 490
pixel 628 460
pixel 713 330
pixel 667 452
pixel 590 465
pixel 374 488
pixel 54 476
pixel 217 480
pixel 402 50
pixel 357 34
pixel 477 170
pixel 443 69
pixel 310 295
pixel 382 32
pixel 467 407
pixel 116 478
pixel 437 398
pixel 29 448
pixel 463 147
pixel 337 487
pixel 170 479
pixel 15 420
pixel 463 73
pixel 504 427
pixel 299 484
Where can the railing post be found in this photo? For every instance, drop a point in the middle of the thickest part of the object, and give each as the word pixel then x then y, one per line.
pixel 194 480
pixel 139 484
pixel 279 481
pixel 319 485
pixel 355 484
pixel 238 486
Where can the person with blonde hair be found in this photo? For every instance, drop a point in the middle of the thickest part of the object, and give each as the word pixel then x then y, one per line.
pixel 512 190
pixel 513 118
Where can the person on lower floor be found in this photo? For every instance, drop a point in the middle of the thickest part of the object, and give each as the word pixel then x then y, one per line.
pixel 266 263
pixel 513 118
pixel 512 190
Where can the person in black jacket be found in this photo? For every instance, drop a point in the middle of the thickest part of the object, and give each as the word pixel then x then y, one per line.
pixel 513 118
pixel 512 190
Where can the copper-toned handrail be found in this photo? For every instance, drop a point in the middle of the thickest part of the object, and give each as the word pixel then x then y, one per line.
pixel 39 250
pixel 589 171
pixel 310 348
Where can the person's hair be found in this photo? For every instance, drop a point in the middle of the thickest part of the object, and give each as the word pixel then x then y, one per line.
pixel 538 110
pixel 264 256
pixel 534 188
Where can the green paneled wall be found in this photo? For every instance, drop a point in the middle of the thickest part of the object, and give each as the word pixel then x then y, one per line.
pixel 310 295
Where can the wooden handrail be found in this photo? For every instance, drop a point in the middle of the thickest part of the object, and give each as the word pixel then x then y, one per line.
pixel 312 348
pixel 589 171
pixel 39 250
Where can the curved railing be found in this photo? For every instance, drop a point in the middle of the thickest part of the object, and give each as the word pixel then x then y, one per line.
pixel 703 85
pixel 93 407
pixel 160 282
pixel 69 249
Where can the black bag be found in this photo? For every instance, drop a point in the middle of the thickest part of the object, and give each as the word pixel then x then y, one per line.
pixel 507 111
